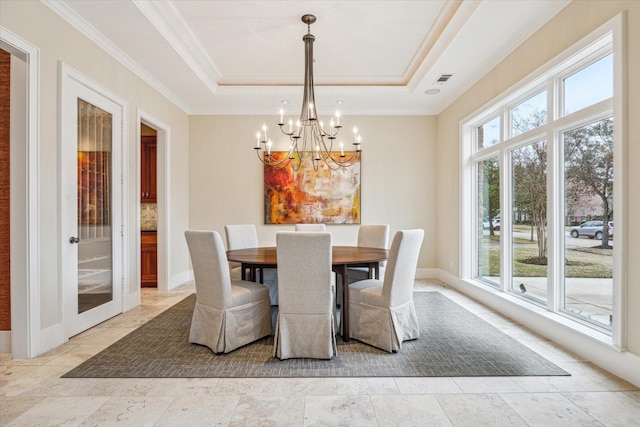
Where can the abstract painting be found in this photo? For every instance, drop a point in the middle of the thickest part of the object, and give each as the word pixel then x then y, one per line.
pixel 308 196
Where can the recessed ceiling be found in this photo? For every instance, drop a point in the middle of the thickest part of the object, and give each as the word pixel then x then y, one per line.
pixel 246 57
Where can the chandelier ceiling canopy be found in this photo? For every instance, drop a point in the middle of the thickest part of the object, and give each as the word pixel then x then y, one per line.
pixel 311 140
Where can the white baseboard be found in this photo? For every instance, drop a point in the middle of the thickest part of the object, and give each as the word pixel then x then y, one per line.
pixel 180 279
pixel 427 273
pixel 571 335
pixel 5 342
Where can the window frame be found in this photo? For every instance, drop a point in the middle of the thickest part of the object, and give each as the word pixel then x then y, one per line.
pixel 605 40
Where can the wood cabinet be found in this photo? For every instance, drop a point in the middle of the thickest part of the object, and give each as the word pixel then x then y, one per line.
pixel 149 259
pixel 148 169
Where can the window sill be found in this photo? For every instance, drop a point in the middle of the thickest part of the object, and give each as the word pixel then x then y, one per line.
pixel 555 326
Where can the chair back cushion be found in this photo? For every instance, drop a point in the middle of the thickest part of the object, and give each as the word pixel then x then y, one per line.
pixel 311 227
pixel 241 236
pixel 401 266
pixel 304 272
pixel 374 236
pixel 210 268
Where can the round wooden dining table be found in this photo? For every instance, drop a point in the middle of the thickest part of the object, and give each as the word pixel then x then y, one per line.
pixel 342 258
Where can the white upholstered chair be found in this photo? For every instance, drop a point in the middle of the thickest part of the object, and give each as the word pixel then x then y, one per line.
pixel 371 236
pixel 311 227
pixel 228 313
pixel 241 236
pixel 381 312
pixel 305 326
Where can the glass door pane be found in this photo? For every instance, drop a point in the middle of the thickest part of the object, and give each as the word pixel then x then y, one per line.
pixel 95 267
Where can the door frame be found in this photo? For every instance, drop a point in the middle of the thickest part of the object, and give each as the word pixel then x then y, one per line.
pixel 68 97
pixel 163 196
pixel 25 298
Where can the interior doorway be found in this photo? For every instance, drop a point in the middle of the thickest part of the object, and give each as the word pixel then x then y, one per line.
pixel 5 193
pixel 148 207
pixel 23 340
pixel 151 126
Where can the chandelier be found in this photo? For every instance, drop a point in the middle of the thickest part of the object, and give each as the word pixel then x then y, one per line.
pixel 309 137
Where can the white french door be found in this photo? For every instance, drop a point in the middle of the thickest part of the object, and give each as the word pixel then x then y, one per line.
pixel 91 204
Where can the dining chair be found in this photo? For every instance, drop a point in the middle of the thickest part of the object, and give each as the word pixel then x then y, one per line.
pixel 228 313
pixel 311 227
pixel 305 325
pixel 371 236
pixel 242 236
pixel 381 312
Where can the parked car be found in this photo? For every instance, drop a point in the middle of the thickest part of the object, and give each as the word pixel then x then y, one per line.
pixel 496 224
pixel 591 229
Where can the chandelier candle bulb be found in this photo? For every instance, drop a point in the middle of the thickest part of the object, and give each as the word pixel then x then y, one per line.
pixel 258 140
pixel 290 126
pixel 337 119
pixel 264 131
pixel 341 149
pixel 281 117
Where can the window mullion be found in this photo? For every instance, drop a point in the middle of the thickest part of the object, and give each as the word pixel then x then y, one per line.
pixel 505 215
pixel 506 268
pixel 620 279
pixel 555 221
pixel 555 193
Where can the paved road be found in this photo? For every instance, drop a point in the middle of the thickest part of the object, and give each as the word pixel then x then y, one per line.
pixel 570 242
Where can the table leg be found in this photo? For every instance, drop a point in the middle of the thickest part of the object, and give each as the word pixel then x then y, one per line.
pixel 243 271
pixel 345 304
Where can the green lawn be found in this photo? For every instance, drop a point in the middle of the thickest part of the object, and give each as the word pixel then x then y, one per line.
pixel 581 262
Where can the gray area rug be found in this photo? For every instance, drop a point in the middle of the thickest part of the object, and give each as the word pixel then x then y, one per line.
pixel 453 342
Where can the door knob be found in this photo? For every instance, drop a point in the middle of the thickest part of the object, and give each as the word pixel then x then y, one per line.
pixel 74 239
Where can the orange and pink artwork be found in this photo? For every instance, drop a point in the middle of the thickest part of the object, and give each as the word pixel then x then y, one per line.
pixel 309 196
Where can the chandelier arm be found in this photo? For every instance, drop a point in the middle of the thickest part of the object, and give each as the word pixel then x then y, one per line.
pixel 334 164
pixel 350 161
pixel 327 153
pixel 277 164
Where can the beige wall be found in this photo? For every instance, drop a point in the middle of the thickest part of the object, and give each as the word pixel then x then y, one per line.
pixel 576 21
pixel 398 176
pixel 59 42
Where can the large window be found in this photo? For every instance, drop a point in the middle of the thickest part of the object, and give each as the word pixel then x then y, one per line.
pixel 541 171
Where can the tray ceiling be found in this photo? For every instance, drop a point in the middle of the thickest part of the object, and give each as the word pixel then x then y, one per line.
pixel 246 57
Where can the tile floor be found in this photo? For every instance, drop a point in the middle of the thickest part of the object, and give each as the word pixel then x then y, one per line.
pixel 33 394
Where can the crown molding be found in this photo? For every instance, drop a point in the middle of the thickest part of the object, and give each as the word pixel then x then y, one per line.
pixel 169 23
pixel 89 31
